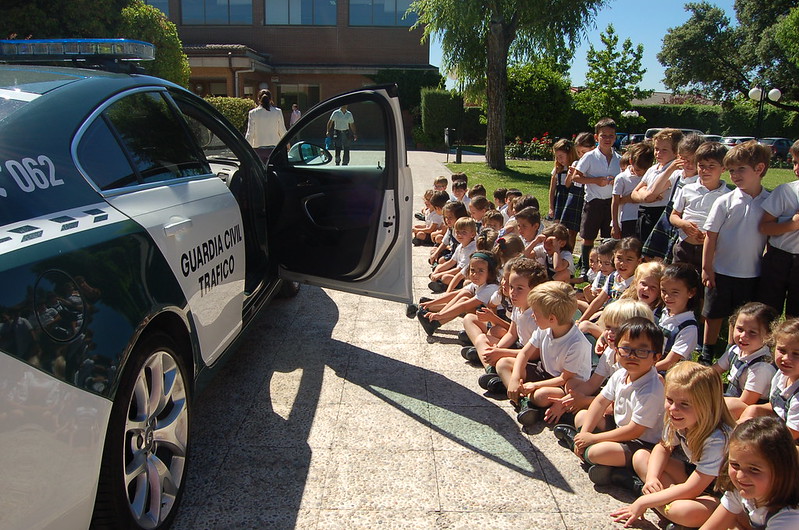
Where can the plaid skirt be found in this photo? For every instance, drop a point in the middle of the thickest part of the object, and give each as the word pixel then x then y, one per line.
pixel 573 209
pixel 661 240
pixel 561 194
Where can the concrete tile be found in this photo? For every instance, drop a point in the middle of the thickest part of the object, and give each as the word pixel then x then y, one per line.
pixel 457 388
pixel 392 331
pixel 475 519
pixel 367 520
pixel 485 430
pixel 215 517
pixel 383 426
pixel 381 480
pixel 202 479
pixel 602 520
pixel 305 426
pixel 303 386
pixel 498 482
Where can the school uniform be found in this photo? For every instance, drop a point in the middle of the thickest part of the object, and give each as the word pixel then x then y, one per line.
pixel 483 292
pixel 545 260
pixel 779 280
pixel 753 372
pixel 596 211
pixel 525 324
pixel 680 331
pixel 784 400
pixel 572 214
pixel 650 212
pixel 462 255
pixel 607 364
pixel 571 352
pixel 623 185
pixel 759 518
pixel 615 285
pixel 714 449
pixel 561 193
pixel 640 401
pixel 739 250
pixel 694 202
pixel 663 236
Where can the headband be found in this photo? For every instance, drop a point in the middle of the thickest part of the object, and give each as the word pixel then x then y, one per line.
pixel 485 257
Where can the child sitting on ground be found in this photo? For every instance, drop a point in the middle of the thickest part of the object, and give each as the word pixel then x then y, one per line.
pixel 434 220
pixel 646 285
pixel 445 239
pixel 604 264
pixel 478 208
pixel 679 290
pixel 556 352
pixel 484 242
pixel 459 189
pixel 442 276
pixel 493 219
pixel 554 253
pixel 483 278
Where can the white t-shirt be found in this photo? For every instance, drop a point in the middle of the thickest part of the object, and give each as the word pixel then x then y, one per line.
pixel 483 292
pixel 623 185
pixel 755 377
pixel 341 120
pixel 434 218
pixel 607 364
pixel 596 164
pixel 649 179
pixel 545 259
pixel 525 324
pixel 783 203
pixel 615 285
pixel 693 201
pixel 785 519
pixel 640 401
pixel 571 352
pixel 462 254
pixel 686 339
pixel 739 247
pixel 713 451
pixel 784 401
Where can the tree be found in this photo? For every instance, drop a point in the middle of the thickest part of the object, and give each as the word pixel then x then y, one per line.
pixel 42 19
pixel 479 38
pixel 147 23
pixel 613 77
pixel 709 55
pixel 539 100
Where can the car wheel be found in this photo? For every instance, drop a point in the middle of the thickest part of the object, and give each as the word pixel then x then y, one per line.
pixel 146 450
pixel 289 289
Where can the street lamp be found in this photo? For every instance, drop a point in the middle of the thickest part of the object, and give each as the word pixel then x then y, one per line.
pixel 758 94
pixel 631 116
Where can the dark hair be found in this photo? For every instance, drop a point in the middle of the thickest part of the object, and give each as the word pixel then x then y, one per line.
pixel 687 274
pixel 633 244
pixel 585 139
pixel 535 273
pixel 500 193
pixel 775 444
pixel 530 214
pixel 524 201
pixel 607 247
pixel 478 190
pixel 491 260
pixel 513 192
pixel 457 208
pixel 508 247
pixel 439 199
pixel 481 203
pixel 460 176
pixel 559 231
pixel 690 143
pixel 764 314
pixel 493 215
pixel 459 185
pixel 750 153
pixel 641 327
pixel 486 239
pixel 265 99
pixel 642 154
pixel 604 122
pixel 711 151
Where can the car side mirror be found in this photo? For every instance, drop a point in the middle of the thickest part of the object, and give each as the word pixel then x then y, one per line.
pixel 308 154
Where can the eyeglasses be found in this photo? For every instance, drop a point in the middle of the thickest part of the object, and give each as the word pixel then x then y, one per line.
pixel 640 353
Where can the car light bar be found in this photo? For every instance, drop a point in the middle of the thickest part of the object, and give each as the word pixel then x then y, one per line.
pixel 75 49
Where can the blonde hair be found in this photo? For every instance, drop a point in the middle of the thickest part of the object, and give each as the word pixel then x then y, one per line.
pixel 750 153
pixel 567 146
pixel 703 385
pixel 558 299
pixel 650 269
pixel 620 311
pixel 671 135
pixel 466 223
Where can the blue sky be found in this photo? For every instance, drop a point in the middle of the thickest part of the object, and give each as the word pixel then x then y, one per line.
pixel 642 21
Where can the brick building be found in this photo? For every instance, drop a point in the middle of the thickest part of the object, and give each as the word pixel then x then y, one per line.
pixel 304 51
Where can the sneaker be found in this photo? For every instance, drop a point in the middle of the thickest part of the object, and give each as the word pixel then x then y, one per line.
pixel 425 299
pixel 484 379
pixel 616 476
pixel 600 475
pixel 496 386
pixel 429 326
pixel 416 242
pixel 565 433
pixel 411 310
pixel 464 339
pixel 528 414
pixel 470 354
pixel 419 216
pixel 437 286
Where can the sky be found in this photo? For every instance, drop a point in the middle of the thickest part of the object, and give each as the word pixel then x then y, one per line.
pixel 642 21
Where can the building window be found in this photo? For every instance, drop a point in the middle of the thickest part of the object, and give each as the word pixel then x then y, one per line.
pixel 221 12
pixel 305 96
pixel 381 13
pixel 163 5
pixel 300 12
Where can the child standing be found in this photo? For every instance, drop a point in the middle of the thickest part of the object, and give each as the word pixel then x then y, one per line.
pixel 749 358
pixel 733 245
pixel 779 278
pixel 573 209
pixel 761 479
pixel 692 203
pixel 596 171
pixel 565 155
pixel 679 290
pixel 556 353
pixel 637 395
pixel 680 469
pixel 625 212
pixel 783 399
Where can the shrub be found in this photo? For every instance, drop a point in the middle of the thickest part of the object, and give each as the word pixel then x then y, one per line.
pixel 234 109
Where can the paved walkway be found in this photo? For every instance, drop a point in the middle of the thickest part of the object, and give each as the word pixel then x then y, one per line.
pixel 340 413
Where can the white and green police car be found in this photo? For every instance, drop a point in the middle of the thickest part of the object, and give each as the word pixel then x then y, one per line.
pixel 139 237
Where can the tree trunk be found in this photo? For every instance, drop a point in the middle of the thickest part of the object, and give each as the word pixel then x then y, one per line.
pixel 496 92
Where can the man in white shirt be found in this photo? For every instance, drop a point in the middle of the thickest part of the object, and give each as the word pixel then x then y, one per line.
pixel 342 127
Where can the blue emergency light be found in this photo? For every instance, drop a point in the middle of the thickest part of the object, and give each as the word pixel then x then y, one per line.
pixel 50 50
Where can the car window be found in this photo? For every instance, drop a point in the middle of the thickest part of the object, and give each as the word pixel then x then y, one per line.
pixel 143 130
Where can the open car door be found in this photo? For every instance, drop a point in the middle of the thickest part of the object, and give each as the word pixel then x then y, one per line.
pixel 341 203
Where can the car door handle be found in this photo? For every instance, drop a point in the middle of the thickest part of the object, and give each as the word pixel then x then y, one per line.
pixel 178 227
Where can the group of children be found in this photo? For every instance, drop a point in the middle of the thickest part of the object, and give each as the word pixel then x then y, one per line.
pixel 610 366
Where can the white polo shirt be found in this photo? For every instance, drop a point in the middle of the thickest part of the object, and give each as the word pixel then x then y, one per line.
pixel 754 377
pixel 686 339
pixel 739 248
pixel 571 352
pixel 483 292
pixel 783 203
pixel 640 401
pixel 595 164
pixel 694 202
pixel 714 449
pixel 649 178
pixel 525 324
pixel 462 255
pixel 607 364
pixel 790 412
pixel 785 519
pixel 623 185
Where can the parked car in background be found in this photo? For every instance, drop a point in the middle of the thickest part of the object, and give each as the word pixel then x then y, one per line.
pixel 712 137
pixel 730 141
pixel 779 147
pixel 653 131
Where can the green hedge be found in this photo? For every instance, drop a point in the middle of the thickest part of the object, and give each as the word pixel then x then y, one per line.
pixel 442 109
pixel 234 109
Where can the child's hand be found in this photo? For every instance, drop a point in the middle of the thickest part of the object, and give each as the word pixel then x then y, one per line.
pixel 693 231
pixel 553 413
pixel 514 390
pixel 528 389
pixel 581 441
pixel 629 514
pixel 492 355
pixel 616 233
pixel 485 314
pixel 601 345
pixel 652 486
pixel 708 278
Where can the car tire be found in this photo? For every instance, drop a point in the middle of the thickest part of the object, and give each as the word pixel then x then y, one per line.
pixel 145 458
pixel 288 289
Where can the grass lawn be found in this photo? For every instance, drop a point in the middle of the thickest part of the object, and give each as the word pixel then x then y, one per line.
pixel 532 176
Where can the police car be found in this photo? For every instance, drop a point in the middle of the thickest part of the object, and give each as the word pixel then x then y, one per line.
pixel 139 237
